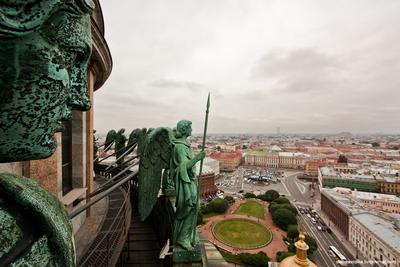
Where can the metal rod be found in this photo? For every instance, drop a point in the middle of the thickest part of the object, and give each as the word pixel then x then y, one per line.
pixel 107 157
pixel 204 135
pixel 102 195
pixel 115 167
pixel 123 155
pixel 104 186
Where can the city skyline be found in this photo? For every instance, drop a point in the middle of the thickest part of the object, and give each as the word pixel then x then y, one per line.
pixel 306 67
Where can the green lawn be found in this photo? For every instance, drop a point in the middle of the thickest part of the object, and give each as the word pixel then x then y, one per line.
pixel 242 233
pixel 251 208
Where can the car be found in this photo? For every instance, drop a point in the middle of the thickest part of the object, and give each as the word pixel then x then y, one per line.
pixel 308 215
pixel 329 230
pixel 319 228
pixel 313 220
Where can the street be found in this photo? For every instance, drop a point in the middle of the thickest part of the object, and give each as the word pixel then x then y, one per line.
pixel 322 256
pixel 300 195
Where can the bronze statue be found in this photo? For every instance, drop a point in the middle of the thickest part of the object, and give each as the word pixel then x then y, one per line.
pixel 45 46
pixel 166 161
pixel 183 172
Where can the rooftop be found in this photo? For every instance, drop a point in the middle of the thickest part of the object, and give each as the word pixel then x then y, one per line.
pixel 376 224
pixel 225 155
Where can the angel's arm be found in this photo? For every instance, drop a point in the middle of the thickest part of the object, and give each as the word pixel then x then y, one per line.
pixel 181 156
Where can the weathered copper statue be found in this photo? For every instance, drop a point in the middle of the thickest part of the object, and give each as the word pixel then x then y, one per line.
pixel 167 154
pixel 44 50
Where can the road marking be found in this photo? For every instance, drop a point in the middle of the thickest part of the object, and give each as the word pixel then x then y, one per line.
pixel 301 187
pixel 287 190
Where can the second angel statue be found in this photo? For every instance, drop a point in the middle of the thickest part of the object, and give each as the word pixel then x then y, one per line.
pixel 167 162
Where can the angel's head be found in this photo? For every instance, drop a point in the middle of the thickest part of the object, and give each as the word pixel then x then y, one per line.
pixel 44 51
pixel 183 128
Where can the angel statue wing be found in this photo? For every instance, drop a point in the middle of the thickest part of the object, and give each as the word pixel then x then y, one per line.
pixel 155 148
pixel 133 139
pixel 110 138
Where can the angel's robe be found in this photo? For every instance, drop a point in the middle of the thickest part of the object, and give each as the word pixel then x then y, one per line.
pixel 187 199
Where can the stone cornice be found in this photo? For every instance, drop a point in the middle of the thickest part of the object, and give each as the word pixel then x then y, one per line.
pixel 100 60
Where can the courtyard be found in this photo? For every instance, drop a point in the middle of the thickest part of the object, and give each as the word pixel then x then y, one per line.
pixel 246 227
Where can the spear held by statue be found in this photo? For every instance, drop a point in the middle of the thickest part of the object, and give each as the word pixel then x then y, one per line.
pixel 204 136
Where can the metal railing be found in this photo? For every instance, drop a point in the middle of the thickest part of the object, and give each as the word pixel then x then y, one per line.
pixel 106 247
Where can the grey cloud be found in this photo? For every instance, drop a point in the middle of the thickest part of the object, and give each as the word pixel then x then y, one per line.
pixel 166 83
pixel 299 70
pixel 128 101
pixel 307 66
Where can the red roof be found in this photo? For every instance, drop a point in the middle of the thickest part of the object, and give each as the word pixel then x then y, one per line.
pixel 225 155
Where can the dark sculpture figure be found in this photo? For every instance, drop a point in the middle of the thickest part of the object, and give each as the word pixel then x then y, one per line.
pixel 166 161
pixel 121 147
pixel 120 142
pixel 45 46
pixel 183 172
pixel 44 50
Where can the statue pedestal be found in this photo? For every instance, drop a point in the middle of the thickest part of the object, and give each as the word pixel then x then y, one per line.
pixel 187 258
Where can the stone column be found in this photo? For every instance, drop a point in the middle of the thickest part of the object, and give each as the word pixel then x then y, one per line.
pixel 89 138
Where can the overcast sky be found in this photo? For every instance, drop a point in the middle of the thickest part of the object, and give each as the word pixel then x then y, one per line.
pixel 304 66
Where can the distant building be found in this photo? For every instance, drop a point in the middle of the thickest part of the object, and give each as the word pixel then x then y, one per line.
pixel 344 176
pixel 227 161
pixel 276 159
pixel 319 150
pixel 375 237
pixel 311 167
pixel 374 234
pixel 207 180
pixel 390 185
pixel 213 164
pixel 228 148
pixel 333 206
pixel 376 201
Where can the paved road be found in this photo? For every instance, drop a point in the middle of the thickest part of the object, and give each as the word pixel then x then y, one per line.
pixel 302 194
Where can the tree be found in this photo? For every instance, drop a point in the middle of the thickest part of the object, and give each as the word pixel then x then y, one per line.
pixel 281 255
pixel 342 159
pixel 218 205
pixel 249 195
pixel 292 231
pixel 263 197
pixel 375 144
pixel 311 243
pixel 283 217
pixel 258 260
pixel 282 200
pixel 230 199
pixel 271 195
pixel 204 209
pixel 274 206
pixel 199 218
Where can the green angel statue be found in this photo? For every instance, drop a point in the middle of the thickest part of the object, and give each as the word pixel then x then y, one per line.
pixel 167 163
